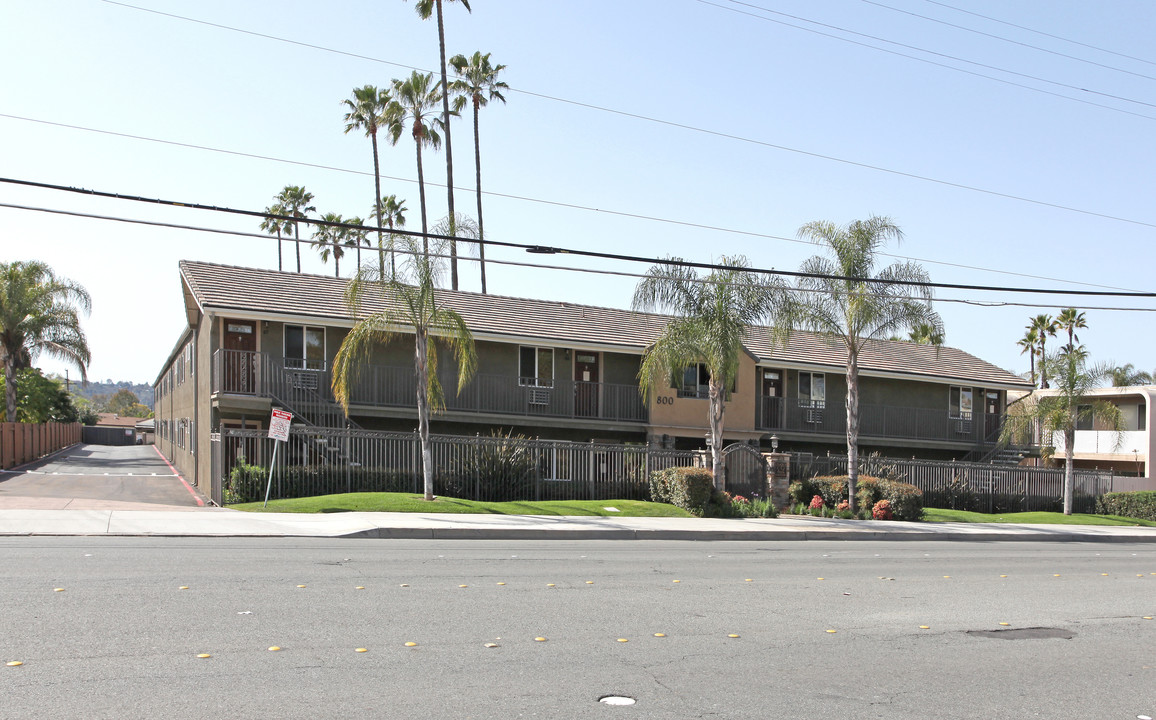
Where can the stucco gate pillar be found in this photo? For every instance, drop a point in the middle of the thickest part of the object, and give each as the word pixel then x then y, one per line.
pixel 778 478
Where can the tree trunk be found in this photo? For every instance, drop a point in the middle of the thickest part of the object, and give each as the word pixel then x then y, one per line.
pixel 1069 463
pixel 376 206
pixel 297 243
pixel 478 187
pixel 717 407
pixel 336 261
pixel 449 150
pixel 1043 364
pixel 10 385
pixel 278 248
pixel 421 351
pixel 421 198
pixel 852 427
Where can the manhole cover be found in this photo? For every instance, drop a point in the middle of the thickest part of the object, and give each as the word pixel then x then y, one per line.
pixel 616 700
pixel 1034 633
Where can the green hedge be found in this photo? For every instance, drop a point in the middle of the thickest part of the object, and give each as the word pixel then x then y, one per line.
pixel 1140 504
pixel 246 483
pixel 689 488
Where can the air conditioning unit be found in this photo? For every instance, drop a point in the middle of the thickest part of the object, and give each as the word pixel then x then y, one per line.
pixel 539 396
pixel 813 416
pixel 963 427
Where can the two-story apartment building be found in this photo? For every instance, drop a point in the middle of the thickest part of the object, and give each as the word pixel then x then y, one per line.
pixel 1096 444
pixel 258 339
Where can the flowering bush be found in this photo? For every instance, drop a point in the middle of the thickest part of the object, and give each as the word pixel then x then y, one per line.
pixel 882 510
pixel 817 502
pixel 843 506
pixel 740 499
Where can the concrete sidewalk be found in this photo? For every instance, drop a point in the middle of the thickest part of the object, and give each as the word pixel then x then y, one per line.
pixel 216 522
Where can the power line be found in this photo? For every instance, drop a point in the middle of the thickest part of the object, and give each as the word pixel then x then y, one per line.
pixel 929 52
pixel 552 250
pixel 1041 32
pixel 515 263
pixel 1008 40
pixel 729 136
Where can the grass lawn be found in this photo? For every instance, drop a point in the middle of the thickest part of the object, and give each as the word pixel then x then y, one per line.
pixel 1030 518
pixel 409 502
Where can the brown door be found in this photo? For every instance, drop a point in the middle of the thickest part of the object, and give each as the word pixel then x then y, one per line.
pixel 772 399
pixel 992 416
pixel 240 346
pixel 586 384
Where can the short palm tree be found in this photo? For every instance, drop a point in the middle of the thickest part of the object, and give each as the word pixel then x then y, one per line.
pixel 330 240
pixel 413 307
pixel 389 213
pixel 1028 344
pixel 294 202
pixel 274 225
pixel 39 313
pixel 1070 320
pixel 1062 410
pixel 370 109
pixel 417 97
pixel 1044 325
pixel 711 317
pixel 478 84
pixel 1127 375
pixel 925 334
pixel 426 8
pixel 842 297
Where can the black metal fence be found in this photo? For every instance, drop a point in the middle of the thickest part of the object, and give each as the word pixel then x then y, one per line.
pixel 322 461
pixel 978 487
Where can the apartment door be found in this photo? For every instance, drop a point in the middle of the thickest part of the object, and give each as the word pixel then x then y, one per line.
pixel 586 384
pixel 238 366
pixel 992 417
pixel 772 398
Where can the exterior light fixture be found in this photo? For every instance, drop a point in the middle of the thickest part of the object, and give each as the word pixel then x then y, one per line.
pixel 774 443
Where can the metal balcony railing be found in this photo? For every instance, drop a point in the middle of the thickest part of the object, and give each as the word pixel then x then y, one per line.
pixel 884 421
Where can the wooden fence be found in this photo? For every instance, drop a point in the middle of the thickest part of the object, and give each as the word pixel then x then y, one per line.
pixel 24 442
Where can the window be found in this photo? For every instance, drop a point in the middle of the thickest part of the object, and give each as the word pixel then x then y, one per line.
pixel 304 347
pixel 812 390
pixel 1084 419
pixel 694 383
pixel 1142 417
pixel 959 404
pixel 536 366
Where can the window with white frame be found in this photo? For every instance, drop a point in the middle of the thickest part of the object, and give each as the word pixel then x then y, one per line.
pixel 695 382
pixel 959 404
pixel 812 390
pixel 304 347
pixel 536 366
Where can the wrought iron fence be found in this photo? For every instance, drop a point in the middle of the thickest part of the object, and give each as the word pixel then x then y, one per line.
pixel 322 461
pixel 977 487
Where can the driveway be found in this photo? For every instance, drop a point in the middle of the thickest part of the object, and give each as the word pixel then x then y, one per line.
pixel 97 477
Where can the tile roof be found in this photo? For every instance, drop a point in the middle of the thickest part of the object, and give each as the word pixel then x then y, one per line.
pixel 227 287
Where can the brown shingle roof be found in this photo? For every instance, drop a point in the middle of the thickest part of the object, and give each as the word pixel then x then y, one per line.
pixel 226 287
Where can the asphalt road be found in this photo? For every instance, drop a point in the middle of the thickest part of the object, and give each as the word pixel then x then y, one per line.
pixel 121 638
pixel 95 477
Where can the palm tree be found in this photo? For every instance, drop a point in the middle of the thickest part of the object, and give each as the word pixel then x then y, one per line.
pixel 425 9
pixel 413 304
pixel 1127 375
pixel 416 97
pixel 39 314
pixel 390 213
pixel 370 109
pixel 1044 325
pixel 840 297
pixel 1065 408
pixel 712 315
pixel 1070 321
pixel 331 240
pixel 477 83
pixel 1028 342
pixel 925 334
pixel 355 235
pixel 294 202
pixel 274 225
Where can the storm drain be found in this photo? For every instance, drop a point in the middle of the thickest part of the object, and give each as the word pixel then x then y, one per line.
pixel 1033 633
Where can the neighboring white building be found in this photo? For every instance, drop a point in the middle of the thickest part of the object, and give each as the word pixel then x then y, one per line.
pixel 1096 446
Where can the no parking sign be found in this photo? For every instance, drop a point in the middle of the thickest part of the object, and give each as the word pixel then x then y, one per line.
pixel 278 430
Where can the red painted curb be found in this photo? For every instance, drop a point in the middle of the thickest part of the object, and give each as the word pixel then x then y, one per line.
pixel 200 502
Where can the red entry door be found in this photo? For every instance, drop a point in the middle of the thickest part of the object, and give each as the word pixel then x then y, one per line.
pixel 586 384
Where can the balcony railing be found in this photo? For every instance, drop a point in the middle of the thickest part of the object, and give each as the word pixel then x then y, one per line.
pixel 386 386
pixel 885 421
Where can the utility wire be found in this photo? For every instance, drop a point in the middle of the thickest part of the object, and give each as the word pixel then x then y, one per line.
pixel 552 250
pixel 515 263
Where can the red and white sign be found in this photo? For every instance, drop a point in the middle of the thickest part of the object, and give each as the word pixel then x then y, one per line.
pixel 279 425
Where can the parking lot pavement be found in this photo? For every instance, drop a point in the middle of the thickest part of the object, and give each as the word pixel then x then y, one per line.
pixel 97 477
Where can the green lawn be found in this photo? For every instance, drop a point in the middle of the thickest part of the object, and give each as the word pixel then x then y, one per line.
pixel 409 502
pixel 1030 518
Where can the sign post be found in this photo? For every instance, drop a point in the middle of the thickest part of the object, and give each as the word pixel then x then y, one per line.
pixel 278 430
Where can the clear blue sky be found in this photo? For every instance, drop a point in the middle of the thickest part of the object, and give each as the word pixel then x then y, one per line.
pixel 104 66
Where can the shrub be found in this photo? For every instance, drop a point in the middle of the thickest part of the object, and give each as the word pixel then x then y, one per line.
pixel 246 482
pixel 843 506
pixel 801 491
pixel 904 501
pixel 833 488
pixel 1139 504
pixel 817 502
pixel 689 488
pixel 881 510
pixel 499 470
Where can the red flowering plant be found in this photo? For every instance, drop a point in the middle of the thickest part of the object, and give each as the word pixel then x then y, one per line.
pixel 740 499
pixel 843 506
pixel 817 502
pixel 882 510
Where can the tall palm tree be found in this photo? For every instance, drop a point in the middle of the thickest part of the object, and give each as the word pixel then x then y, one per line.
pixel 294 201
pixel 274 226
pixel 414 305
pixel 837 298
pixel 356 235
pixel 711 317
pixel 478 84
pixel 390 213
pixel 1044 325
pixel 370 109
pixel 1028 344
pixel 39 314
pixel 425 8
pixel 1070 320
pixel 416 98
pixel 1064 408
pixel 330 240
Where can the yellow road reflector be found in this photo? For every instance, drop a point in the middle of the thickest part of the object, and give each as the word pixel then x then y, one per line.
pixel 748 580
pixel 623 640
pixel 1003 575
pixel 947 576
pixel 1056 575
pixel 732 635
pixel 274 648
pixel 676 581
pixel 924 627
pixel 539 639
pixel 405 584
pixel 659 634
pixel 818 578
pixel 1005 624
pixel 359 587
pixel 501 583
pixel 14 663
pixel 301 586
pixel 589 582
pixel 832 631
pixel 1139 574
pixel 463 585
pixel 1147 617
pixel 491 645
pixel 1104 574
pixel 204 655
pixel 57 589
pixel 360 650
pixel 183 587
pixel 411 644
pixel 549 584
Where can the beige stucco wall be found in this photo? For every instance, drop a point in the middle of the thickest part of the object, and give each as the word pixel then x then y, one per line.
pixel 689 417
